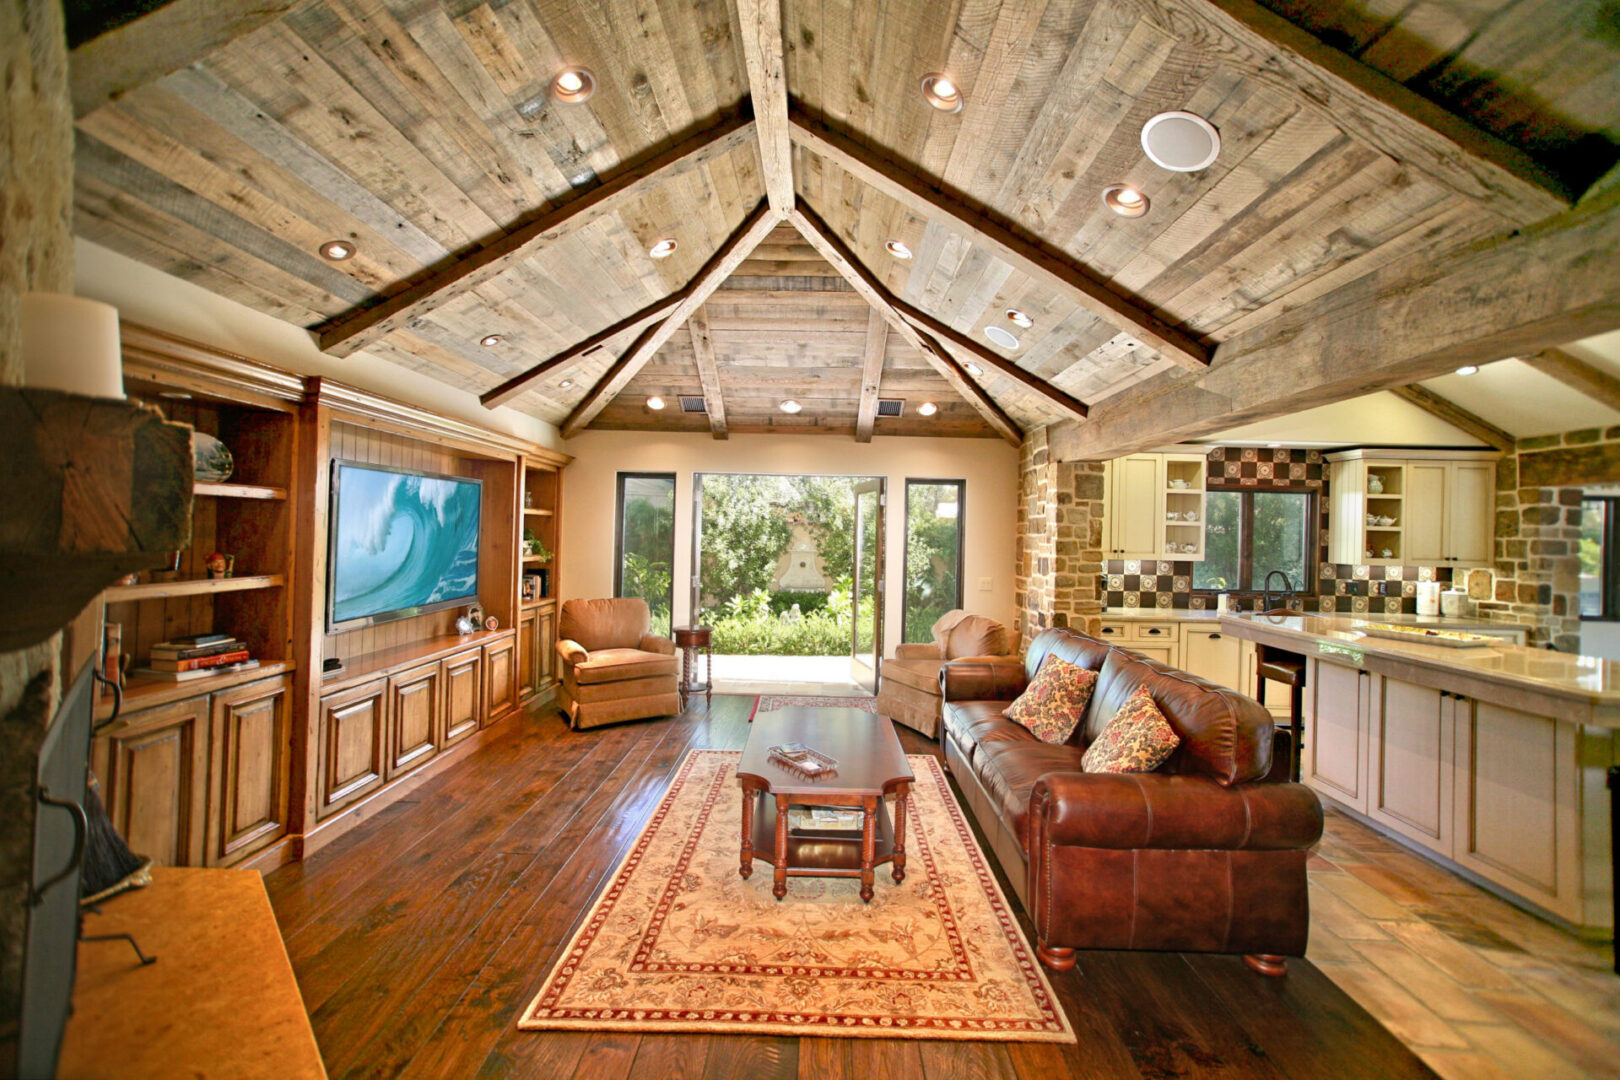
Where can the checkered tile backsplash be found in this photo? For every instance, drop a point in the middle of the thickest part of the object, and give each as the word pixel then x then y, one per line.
pixel 1130 583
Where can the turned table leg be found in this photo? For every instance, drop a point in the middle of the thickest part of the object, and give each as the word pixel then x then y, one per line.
pixel 779 889
pixel 747 867
pixel 868 845
pixel 902 797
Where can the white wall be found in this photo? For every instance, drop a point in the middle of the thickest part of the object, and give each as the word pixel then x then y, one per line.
pixel 148 296
pixel 990 468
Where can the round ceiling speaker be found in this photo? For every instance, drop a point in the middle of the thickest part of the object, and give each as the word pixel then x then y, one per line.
pixel 1001 336
pixel 1180 141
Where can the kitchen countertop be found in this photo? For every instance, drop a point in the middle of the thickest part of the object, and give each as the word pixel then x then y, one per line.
pixel 1576 680
pixel 1190 615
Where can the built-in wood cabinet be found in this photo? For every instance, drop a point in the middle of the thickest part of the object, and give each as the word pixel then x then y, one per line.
pixel 1156 506
pixel 463 694
pixel 1430 508
pixel 415 718
pixel 248 769
pixel 1210 654
pixel 537 642
pixel 500 678
pixel 153 767
pixel 353 733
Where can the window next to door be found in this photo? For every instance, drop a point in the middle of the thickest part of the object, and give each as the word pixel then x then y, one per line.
pixel 1600 558
pixel 644 541
pixel 934 524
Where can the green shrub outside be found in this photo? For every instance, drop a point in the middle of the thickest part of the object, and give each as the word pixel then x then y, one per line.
pixel 752 625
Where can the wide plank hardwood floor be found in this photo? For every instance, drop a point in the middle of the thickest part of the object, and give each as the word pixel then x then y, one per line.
pixel 418 937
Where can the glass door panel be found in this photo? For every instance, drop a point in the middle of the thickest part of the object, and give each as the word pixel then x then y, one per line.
pixel 866 595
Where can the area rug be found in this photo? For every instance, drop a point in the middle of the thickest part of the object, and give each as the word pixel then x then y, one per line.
pixel 679 941
pixel 772 702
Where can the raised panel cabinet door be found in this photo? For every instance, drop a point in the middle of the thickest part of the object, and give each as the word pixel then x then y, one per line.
pixel 528 661
pixel 1411 763
pixel 1471 513
pixel 1212 655
pixel 353 752
pixel 463 694
pixel 1336 733
pixel 1164 654
pixel 545 645
pixel 248 763
pixel 153 767
pixel 500 679
pixel 1423 512
pixel 1135 502
pixel 415 700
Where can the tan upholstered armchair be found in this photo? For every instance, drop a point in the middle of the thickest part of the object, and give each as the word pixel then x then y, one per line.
pixel 612 668
pixel 910 689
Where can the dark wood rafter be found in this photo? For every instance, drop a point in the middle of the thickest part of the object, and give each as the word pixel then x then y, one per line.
pixel 517 384
pixel 1411 320
pixel 720 266
pixel 1366 104
pixel 877 344
pixel 1455 415
pixel 708 371
pixel 836 252
pixel 919 318
pixel 1578 375
pixel 349 333
pixel 922 196
pixel 761 23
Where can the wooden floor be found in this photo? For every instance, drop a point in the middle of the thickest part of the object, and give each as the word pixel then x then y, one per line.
pixel 418 937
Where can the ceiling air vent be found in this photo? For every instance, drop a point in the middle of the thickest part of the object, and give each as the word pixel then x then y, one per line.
pixel 890 406
pixel 693 404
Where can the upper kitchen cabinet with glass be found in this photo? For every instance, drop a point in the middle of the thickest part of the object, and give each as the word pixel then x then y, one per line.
pixel 1156 507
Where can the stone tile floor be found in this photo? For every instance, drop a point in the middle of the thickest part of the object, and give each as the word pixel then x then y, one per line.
pixel 1476 987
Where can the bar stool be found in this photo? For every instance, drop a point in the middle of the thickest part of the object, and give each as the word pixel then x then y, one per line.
pixel 1285 667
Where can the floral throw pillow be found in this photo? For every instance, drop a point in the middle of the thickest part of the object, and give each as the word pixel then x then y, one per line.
pixel 1138 739
pixel 1053 703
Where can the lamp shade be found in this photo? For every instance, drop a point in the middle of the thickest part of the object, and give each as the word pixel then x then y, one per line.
pixel 70 343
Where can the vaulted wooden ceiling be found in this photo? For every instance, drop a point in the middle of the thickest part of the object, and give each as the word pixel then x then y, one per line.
pixel 424 133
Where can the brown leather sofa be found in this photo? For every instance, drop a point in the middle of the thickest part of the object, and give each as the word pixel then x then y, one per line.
pixel 1205 855
pixel 613 668
pixel 909 691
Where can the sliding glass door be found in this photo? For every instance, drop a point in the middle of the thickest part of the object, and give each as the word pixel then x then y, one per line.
pixel 866 594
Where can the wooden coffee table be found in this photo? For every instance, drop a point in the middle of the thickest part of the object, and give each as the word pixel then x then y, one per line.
pixel 870 766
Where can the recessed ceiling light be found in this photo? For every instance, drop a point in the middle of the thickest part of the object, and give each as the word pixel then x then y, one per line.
pixel 790 406
pixel 566 383
pixel 573 85
pixel 337 250
pixel 1001 336
pixel 1125 200
pixel 489 341
pixel 655 403
pixel 897 249
pixel 1019 319
pixel 927 408
pixel 1181 141
pixel 972 369
pixel 664 248
pixel 1468 369
pixel 941 91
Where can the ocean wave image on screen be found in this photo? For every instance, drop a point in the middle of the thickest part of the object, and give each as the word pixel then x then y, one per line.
pixel 402 542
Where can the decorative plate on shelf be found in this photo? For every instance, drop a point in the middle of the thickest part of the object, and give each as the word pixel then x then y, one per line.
pixel 211 459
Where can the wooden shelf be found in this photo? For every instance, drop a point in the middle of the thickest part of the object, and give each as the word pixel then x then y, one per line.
pixel 530 605
pixel 239 491
pixel 536 559
pixel 142 693
pixel 163 590
pixel 358 669
pixel 537 511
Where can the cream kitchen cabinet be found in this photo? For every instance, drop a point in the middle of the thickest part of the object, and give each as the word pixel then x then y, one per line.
pixel 1422 507
pixel 1210 654
pixel 1156 507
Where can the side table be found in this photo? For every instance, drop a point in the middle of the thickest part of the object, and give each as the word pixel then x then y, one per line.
pixel 690 639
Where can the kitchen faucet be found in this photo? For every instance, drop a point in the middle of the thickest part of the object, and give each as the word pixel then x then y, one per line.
pixel 1288 587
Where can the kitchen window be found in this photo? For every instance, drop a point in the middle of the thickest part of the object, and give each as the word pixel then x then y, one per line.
pixel 1600 558
pixel 1250 533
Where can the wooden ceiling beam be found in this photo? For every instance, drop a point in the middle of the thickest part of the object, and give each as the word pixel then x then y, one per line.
pixel 877 346
pixel 349 333
pixel 162 41
pixel 924 197
pixel 1458 417
pixel 737 247
pixel 761 23
pixel 517 384
pixel 1578 375
pixel 1365 104
pixel 708 371
pixel 866 283
pixel 1076 410
pixel 1410 320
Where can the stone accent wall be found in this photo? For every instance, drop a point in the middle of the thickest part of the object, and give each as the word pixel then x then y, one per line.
pixel 1059 542
pixel 1538 516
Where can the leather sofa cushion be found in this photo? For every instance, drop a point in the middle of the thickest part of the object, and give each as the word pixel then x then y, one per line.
pixel 1009 770
pixel 615 665
pixel 961 716
pixel 615 623
pixel 918 674
pixel 1077 649
pixel 1223 734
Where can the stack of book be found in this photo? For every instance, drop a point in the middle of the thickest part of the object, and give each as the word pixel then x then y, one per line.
pixel 195 657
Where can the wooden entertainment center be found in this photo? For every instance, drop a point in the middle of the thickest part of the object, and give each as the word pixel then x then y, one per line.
pixel 263 766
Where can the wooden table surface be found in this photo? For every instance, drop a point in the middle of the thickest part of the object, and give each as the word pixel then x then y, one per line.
pixel 868 753
pixel 221 1001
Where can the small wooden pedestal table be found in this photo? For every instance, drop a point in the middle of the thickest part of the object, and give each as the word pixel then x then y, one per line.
pixel 690 639
pixel 871 765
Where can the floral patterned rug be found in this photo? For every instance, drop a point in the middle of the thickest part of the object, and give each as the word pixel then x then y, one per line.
pixel 679 941
pixel 772 702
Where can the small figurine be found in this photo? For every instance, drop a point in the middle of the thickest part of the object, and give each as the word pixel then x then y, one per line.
pixel 220 565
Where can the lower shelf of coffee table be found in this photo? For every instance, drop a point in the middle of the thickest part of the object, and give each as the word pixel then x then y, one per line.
pixel 820 855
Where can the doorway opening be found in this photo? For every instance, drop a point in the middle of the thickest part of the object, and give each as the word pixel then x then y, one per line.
pixel 788 570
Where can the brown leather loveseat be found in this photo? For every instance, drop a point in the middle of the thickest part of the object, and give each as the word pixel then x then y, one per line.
pixel 1205 855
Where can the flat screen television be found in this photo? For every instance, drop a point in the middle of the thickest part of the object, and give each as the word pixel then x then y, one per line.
pixel 402 543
